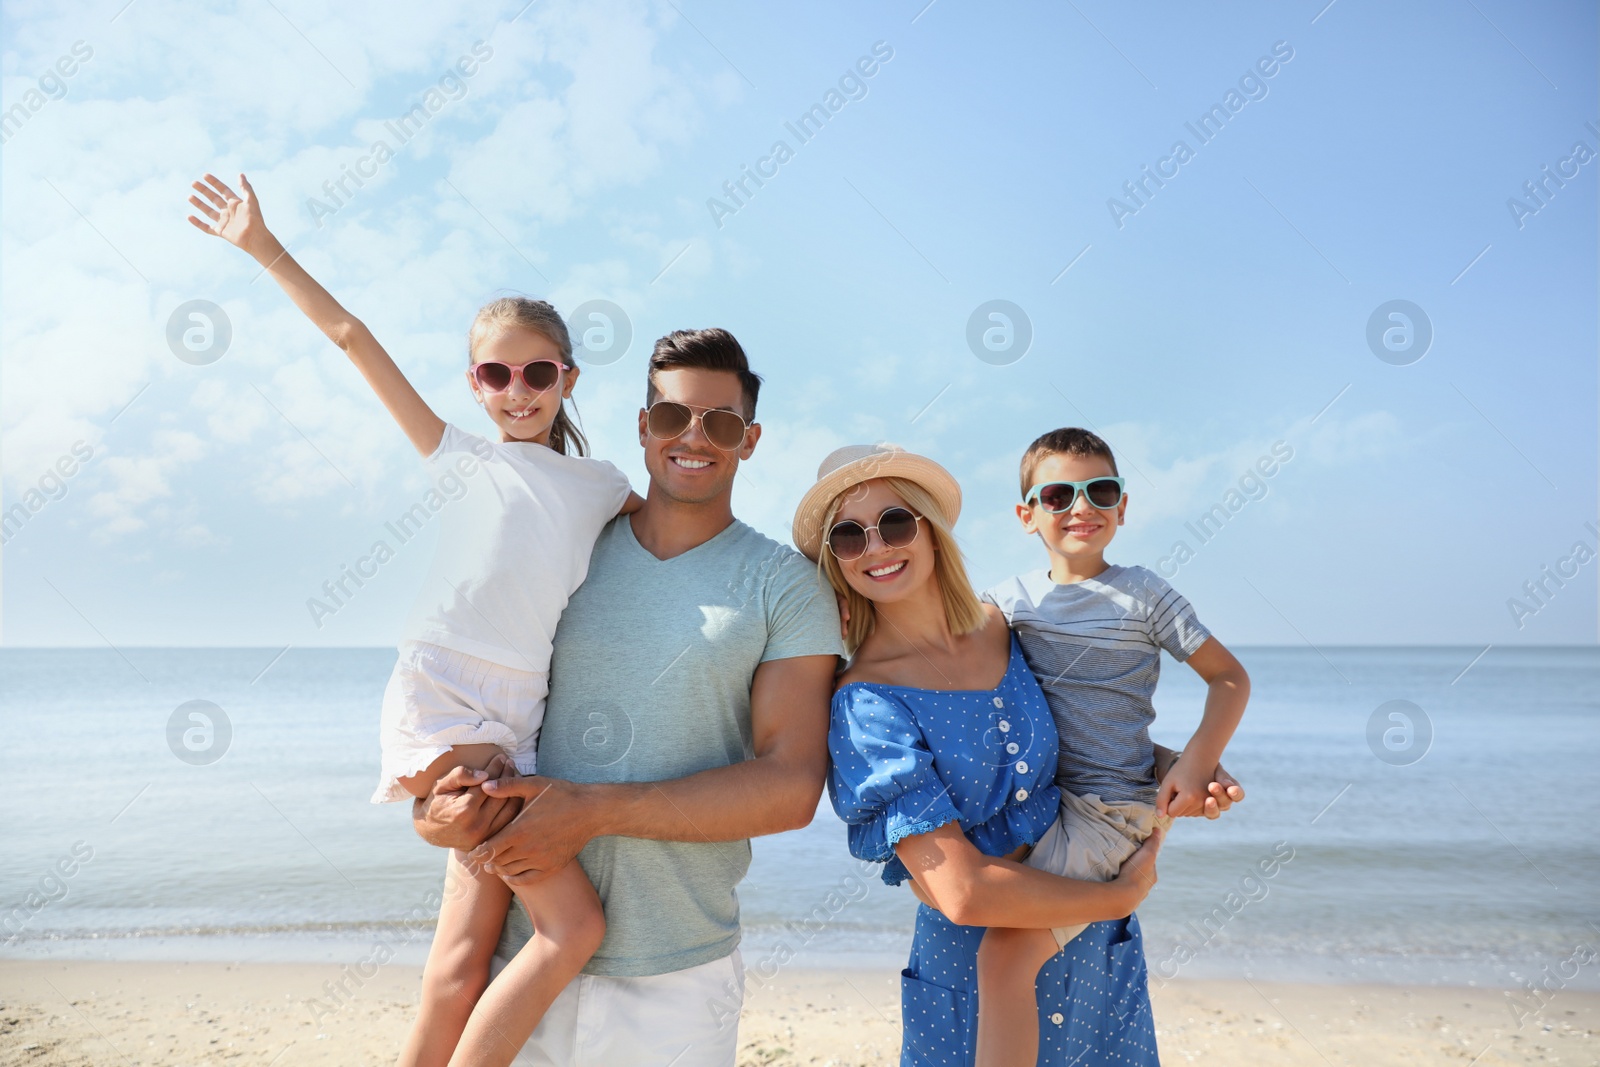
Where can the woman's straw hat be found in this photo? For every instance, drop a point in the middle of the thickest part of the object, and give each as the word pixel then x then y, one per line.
pixel 854 464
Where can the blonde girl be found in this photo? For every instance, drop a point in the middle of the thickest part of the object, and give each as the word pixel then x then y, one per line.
pixel 469 687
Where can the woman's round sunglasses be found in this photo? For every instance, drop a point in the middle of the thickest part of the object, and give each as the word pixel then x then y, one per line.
pixel 897 527
pixel 667 419
pixel 539 375
pixel 1104 493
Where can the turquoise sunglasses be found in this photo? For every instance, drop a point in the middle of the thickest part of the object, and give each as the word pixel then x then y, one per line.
pixel 1104 493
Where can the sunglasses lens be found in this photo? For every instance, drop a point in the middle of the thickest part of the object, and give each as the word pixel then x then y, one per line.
pixel 723 429
pixel 897 527
pixel 1057 497
pixel 1104 493
pixel 493 376
pixel 668 420
pixel 847 540
pixel 541 375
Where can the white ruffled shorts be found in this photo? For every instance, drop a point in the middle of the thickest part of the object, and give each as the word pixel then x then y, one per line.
pixel 438 698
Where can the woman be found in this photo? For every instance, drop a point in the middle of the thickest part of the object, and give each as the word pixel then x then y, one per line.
pixel 944 751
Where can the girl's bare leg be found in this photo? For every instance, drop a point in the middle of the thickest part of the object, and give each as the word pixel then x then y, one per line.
pixel 568 925
pixel 457 971
pixel 1008 1005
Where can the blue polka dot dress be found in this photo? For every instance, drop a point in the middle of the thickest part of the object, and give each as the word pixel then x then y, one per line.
pixel 907 761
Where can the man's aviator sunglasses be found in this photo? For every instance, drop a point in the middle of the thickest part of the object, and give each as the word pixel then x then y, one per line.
pixel 539 375
pixel 668 419
pixel 1104 493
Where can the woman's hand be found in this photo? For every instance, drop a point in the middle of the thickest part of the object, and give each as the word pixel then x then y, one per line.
pixel 1138 874
pixel 234 218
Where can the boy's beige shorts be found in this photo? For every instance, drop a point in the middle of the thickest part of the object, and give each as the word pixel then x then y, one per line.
pixel 1090 840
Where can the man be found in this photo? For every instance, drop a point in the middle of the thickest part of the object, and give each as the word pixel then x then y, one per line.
pixel 688 712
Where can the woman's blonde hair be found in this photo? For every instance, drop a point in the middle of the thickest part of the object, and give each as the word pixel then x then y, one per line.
pixel 962 609
pixel 523 313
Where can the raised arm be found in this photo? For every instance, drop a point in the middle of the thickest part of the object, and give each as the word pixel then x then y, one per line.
pixel 973 889
pixel 236 218
pixel 777 790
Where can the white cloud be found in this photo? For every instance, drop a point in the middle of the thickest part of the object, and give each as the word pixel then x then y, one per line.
pixel 574 100
pixel 139 482
pixel 1166 480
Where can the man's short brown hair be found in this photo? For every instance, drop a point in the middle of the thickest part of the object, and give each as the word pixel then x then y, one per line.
pixel 1067 441
pixel 710 349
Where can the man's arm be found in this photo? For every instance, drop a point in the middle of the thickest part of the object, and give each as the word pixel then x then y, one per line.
pixel 775 791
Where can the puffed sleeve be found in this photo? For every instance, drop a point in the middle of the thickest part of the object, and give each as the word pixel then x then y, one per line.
pixel 883 783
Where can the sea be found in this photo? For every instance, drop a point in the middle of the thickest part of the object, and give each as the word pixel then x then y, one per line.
pixel 1413 816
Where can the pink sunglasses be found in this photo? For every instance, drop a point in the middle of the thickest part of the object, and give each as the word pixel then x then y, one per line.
pixel 539 375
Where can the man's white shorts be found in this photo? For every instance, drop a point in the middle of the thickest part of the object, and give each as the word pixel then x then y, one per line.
pixel 687 1018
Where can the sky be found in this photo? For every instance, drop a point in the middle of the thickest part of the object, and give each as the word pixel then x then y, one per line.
pixel 1199 219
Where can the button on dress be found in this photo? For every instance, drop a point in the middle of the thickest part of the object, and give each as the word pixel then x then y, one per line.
pixel 907 761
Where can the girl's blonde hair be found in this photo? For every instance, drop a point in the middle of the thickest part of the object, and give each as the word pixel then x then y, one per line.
pixel 962 609
pixel 523 313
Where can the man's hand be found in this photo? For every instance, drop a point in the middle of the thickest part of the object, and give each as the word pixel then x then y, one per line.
pixel 552 828
pixel 457 814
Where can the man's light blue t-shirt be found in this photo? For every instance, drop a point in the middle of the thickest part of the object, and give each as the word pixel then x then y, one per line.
pixel 650 680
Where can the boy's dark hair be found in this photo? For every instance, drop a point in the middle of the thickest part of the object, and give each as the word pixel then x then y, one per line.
pixel 1067 441
pixel 712 349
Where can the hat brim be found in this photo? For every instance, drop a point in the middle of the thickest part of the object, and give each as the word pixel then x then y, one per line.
pixel 813 510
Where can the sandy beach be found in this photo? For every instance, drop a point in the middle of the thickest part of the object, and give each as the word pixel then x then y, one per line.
pixel 175 1014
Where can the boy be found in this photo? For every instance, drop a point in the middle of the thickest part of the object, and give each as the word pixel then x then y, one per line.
pixel 1093 633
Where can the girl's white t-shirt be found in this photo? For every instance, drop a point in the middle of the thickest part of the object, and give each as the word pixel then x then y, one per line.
pixel 517 523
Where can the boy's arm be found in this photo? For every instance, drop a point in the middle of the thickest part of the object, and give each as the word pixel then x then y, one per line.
pixel 237 219
pixel 1185 790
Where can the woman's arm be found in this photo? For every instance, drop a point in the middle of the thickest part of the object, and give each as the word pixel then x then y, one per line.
pixel 237 219
pixel 972 889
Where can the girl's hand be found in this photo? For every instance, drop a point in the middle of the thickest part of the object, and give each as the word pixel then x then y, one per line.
pixel 1138 874
pixel 234 218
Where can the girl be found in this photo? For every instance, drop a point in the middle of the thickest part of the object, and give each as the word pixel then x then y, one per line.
pixel 472 675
